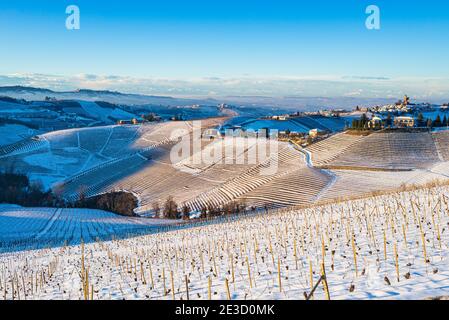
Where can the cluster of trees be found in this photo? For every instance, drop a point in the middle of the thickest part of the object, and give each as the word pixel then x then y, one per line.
pixel 171 210
pixel 151 117
pixel 16 188
pixel 233 207
pixel 122 203
pixel 363 122
pixel 437 123
pixel 360 124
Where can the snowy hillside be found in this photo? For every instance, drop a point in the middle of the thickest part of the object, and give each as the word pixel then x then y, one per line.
pixel 12 133
pixel 29 93
pixel 385 247
pixel 106 115
pixel 25 228
pixel 56 156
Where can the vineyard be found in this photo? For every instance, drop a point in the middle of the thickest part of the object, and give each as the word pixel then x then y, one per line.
pixel 390 246
pixel 25 228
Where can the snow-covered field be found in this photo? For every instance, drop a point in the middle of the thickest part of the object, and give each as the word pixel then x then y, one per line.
pixel 59 155
pixel 385 247
pixel 12 133
pixel 25 228
pixel 97 112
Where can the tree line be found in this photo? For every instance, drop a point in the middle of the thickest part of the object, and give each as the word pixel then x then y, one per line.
pixel 437 123
pixel 122 203
pixel 171 210
pixel 16 188
pixel 363 123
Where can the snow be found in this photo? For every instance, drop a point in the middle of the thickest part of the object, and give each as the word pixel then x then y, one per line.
pixel 333 124
pixel 121 114
pixel 61 154
pixel 275 125
pixel 46 161
pixel 100 113
pixel 296 124
pixel 12 133
pixel 25 228
pixel 265 256
pixel 94 110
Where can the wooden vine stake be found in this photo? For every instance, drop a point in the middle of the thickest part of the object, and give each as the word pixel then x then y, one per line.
pixel 423 240
pixel 228 293
pixel 354 251
pixel 163 280
pixel 209 287
pixel 311 278
pixel 396 261
pixel 151 277
pixel 324 279
pixel 172 285
pixel 249 274
pixel 187 286
pixel 279 275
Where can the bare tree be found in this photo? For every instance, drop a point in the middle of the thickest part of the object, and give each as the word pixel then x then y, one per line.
pixel 82 192
pixel 170 208
pixel 243 205
pixel 185 212
pixel 203 212
pixel 156 210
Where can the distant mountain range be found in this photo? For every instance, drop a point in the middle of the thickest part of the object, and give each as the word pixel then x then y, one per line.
pixel 36 94
pixel 290 102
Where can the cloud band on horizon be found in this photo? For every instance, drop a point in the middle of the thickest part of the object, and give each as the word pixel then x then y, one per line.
pixel 432 89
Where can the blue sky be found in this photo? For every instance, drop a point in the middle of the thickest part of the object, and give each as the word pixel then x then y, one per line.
pixel 150 42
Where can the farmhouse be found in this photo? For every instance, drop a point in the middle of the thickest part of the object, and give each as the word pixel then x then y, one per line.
pixel 313 133
pixel 375 123
pixel 404 122
pixel 211 134
pixel 132 121
pixel 281 118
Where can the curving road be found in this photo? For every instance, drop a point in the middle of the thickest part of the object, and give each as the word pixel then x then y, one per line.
pixel 308 158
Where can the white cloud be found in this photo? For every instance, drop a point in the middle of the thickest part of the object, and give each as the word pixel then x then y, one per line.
pixel 325 86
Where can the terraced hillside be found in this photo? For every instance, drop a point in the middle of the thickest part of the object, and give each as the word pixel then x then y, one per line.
pixel 380 161
pixel 287 161
pixel 91 161
pixel 442 143
pixel 382 150
pixel 138 159
pixel 60 155
pixel 350 183
pixel 300 187
pixel 153 176
pixel 150 175
pixel 325 151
